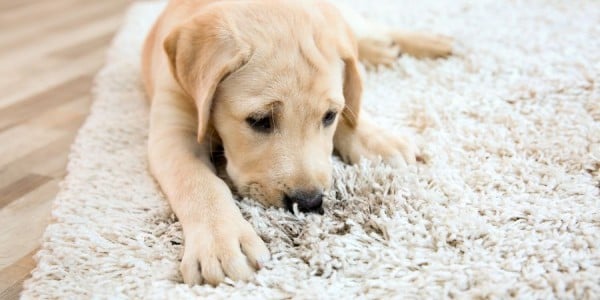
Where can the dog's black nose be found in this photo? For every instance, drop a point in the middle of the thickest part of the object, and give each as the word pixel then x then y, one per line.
pixel 308 201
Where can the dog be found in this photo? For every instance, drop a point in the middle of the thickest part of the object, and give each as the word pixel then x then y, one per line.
pixel 276 86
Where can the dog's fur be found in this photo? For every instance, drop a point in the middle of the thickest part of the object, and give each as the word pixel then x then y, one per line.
pixel 276 84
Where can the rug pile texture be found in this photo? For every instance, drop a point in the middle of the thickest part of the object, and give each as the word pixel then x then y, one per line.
pixel 506 204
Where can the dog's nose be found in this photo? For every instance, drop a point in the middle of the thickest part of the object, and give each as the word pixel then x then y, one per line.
pixel 308 201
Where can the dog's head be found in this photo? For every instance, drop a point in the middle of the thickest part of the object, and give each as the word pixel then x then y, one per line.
pixel 273 81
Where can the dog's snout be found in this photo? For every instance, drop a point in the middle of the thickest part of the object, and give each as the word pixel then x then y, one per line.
pixel 307 201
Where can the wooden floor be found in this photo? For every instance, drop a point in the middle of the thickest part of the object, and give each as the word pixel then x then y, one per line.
pixel 49 53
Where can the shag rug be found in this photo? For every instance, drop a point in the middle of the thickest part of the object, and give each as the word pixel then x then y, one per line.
pixel 506 204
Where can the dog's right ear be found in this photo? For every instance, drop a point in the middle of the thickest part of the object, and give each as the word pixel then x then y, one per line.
pixel 201 53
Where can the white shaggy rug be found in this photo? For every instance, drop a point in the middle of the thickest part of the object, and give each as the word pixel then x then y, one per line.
pixel 506 205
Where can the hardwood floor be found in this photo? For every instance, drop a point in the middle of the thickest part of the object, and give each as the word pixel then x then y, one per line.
pixel 49 53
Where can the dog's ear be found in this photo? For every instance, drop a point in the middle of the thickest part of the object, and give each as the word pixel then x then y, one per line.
pixel 352 91
pixel 347 49
pixel 202 52
pixel 353 85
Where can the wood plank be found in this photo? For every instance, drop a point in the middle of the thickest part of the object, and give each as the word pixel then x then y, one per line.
pixel 20 140
pixel 12 292
pixel 22 36
pixel 52 73
pixel 12 277
pixel 37 58
pixel 48 42
pixel 77 50
pixel 31 106
pixel 21 187
pixel 13 5
pixel 67 117
pixel 21 16
pixel 49 160
pixel 18 237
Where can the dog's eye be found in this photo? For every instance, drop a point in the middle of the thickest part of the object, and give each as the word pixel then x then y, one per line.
pixel 329 118
pixel 261 124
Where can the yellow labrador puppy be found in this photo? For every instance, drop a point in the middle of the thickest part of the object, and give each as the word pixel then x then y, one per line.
pixel 276 85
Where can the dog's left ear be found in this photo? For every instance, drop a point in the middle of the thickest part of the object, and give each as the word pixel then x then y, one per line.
pixel 353 85
pixel 352 90
pixel 201 53
pixel 347 49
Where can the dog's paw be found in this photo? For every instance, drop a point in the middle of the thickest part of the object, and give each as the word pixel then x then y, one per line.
pixel 394 150
pixel 371 142
pixel 229 247
pixel 376 52
pixel 423 45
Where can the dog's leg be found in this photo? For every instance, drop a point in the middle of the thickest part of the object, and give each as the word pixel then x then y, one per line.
pixel 381 45
pixel 369 141
pixel 218 241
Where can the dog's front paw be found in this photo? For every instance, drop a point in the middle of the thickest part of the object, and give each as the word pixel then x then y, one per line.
pixel 370 142
pixel 225 247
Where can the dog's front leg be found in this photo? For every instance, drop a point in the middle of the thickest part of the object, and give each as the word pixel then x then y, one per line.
pixel 367 140
pixel 218 241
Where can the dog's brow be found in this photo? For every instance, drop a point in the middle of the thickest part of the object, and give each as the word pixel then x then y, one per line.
pixel 266 108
